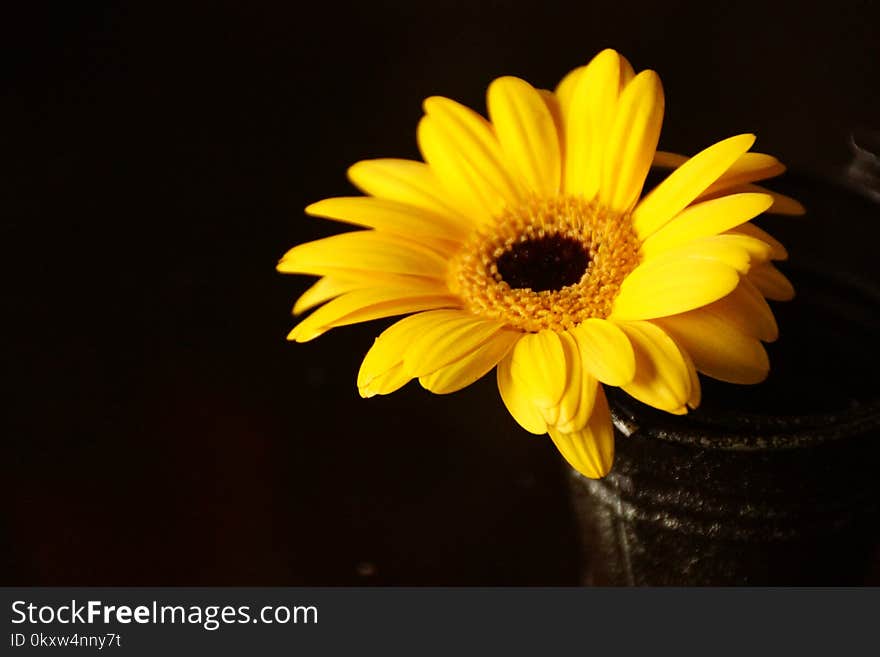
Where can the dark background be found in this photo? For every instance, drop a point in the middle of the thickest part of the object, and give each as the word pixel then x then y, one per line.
pixel 159 429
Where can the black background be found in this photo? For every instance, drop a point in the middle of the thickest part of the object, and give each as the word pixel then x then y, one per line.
pixel 157 159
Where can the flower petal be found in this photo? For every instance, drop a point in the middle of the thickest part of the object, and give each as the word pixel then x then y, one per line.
pixel 662 377
pixel 324 289
pixel 717 348
pixel 527 133
pixel 590 450
pixel 516 399
pixel 606 351
pixel 538 365
pixel 371 303
pixel 686 183
pixel 363 250
pixel 574 409
pixel 588 123
pixel 471 367
pixel 565 89
pixel 386 354
pixel 461 183
pixel 706 219
pixel 478 153
pixel 389 217
pixel 405 181
pixel 666 286
pixel 746 310
pixel 771 282
pixel 632 142
pixel 444 344
pixel 777 250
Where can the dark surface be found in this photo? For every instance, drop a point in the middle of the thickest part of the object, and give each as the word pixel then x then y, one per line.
pixel 159 430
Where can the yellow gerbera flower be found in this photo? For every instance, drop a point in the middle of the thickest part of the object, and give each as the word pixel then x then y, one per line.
pixel 522 242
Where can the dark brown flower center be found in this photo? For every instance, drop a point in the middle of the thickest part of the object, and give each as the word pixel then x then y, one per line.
pixel 551 262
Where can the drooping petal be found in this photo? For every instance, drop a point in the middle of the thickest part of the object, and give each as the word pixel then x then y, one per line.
pixel 588 123
pixel 668 286
pixel 471 367
pixel 686 183
pixel 365 250
pixel 632 142
pixel 717 348
pixel 747 311
pixel 538 365
pixel 441 345
pixel 771 282
pixel 590 450
pixel 382 367
pixel 370 303
pixel 706 219
pixel 606 351
pixel 662 378
pixel 477 151
pixel 408 182
pixel 527 133
pixel 390 217
pixel 576 406
pixel 517 400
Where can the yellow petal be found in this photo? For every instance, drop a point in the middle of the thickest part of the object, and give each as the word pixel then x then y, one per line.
pixel 553 106
pixel 777 250
pixel 588 123
pixel 538 365
pixel 662 287
pixel 516 399
pixel 686 183
pixel 389 348
pixel 444 344
pixel 771 282
pixel 471 367
pixel 565 89
pixel 364 250
pixel 667 160
pixel 576 406
pixel 367 304
pixel 461 183
pixel 782 204
pixel 626 72
pixel 590 450
pixel 696 388
pixel 527 134
pixel 405 181
pixel 662 378
pixel 632 142
pixel 747 311
pixel 324 289
pixel 478 152
pixel 606 351
pixel 740 252
pixel 748 168
pixel 389 217
pixel 706 219
pixel 717 348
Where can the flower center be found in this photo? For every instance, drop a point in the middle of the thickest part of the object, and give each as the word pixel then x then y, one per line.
pixel 549 263
pixel 544 263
